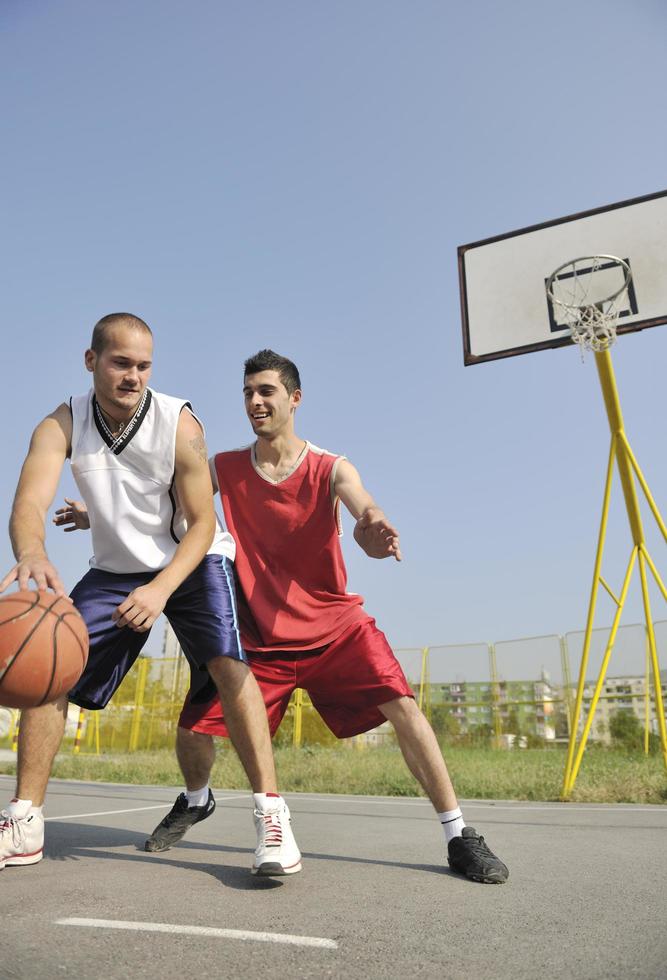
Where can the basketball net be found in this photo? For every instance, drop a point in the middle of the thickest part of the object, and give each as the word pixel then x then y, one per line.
pixel 576 290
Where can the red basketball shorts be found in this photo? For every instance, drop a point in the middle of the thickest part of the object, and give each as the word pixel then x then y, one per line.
pixel 346 681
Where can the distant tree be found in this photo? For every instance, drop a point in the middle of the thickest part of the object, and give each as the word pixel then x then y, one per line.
pixel 444 724
pixel 478 736
pixel 512 726
pixel 560 721
pixel 626 730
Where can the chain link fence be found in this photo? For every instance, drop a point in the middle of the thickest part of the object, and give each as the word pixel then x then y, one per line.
pixel 508 690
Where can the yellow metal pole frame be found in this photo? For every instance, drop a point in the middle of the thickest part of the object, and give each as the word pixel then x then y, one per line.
pixel 621 454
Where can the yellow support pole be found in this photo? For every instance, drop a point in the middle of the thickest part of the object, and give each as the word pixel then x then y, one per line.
pixel 621 453
pixel 603 671
pixel 656 575
pixel 589 623
pixel 647 696
pixel 659 706
pixel 642 482
pixel 623 458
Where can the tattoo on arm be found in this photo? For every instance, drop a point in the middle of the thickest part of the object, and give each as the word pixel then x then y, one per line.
pixel 198 446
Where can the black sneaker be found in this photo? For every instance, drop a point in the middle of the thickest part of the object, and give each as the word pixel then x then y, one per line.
pixel 469 856
pixel 177 822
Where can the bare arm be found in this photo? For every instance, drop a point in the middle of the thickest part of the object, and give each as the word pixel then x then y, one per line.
pixel 214 475
pixel 193 485
pixel 49 447
pixel 372 532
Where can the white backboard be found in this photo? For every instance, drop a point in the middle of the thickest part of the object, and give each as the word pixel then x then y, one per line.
pixel 504 304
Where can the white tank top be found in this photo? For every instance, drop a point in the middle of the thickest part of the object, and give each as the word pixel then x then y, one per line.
pixel 127 484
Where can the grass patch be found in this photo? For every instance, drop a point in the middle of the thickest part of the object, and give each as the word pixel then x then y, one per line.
pixel 606 776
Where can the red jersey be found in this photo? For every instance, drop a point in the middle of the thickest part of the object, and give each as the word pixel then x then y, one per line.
pixel 289 565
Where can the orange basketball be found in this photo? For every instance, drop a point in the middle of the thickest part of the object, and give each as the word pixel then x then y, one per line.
pixel 43 648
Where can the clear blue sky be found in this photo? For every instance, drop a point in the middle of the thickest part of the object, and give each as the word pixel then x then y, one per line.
pixel 298 175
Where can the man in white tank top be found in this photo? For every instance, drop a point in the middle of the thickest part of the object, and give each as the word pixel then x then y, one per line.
pixel 140 462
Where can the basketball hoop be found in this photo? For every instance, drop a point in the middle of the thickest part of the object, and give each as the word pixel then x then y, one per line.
pixel 580 290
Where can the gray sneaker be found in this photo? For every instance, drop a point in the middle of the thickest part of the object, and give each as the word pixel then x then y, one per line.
pixel 470 856
pixel 177 823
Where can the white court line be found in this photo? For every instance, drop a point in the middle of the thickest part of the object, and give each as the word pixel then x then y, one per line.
pixel 260 937
pixel 106 813
pixel 400 801
pixel 480 805
pixel 134 809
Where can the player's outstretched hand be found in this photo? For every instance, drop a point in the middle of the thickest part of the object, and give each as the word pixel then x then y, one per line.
pixel 40 570
pixel 141 608
pixel 377 537
pixel 72 517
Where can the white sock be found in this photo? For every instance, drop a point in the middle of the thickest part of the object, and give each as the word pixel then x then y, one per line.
pixel 18 809
pixel 452 823
pixel 266 801
pixel 197 797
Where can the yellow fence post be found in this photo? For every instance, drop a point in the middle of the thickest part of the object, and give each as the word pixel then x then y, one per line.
pixel 96 730
pixel 16 723
pixel 79 727
pixel 176 680
pixel 495 696
pixel 298 713
pixel 135 730
pixel 425 685
pixel 566 677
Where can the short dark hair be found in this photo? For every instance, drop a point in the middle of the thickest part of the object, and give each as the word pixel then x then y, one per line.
pixel 103 328
pixel 268 360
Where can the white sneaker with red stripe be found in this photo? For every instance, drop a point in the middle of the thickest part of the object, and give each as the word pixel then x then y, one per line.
pixel 21 839
pixel 277 852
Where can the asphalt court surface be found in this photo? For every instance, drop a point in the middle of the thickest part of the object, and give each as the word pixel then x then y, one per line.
pixel 586 897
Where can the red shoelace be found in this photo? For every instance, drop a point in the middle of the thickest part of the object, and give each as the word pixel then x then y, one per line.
pixel 273 834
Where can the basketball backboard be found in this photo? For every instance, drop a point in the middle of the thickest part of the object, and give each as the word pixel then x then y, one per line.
pixel 504 303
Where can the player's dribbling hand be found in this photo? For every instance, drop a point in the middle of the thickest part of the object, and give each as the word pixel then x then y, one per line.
pixel 141 608
pixel 40 570
pixel 377 537
pixel 73 517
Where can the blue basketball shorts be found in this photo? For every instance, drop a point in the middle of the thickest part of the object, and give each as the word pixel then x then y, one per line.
pixel 202 613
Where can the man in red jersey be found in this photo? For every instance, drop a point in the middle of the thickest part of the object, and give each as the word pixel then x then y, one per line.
pixel 299 626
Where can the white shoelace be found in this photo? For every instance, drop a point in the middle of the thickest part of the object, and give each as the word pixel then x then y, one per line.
pixel 10 826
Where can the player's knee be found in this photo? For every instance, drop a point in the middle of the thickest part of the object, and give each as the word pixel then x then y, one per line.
pixel 400 709
pixel 186 736
pixel 227 670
